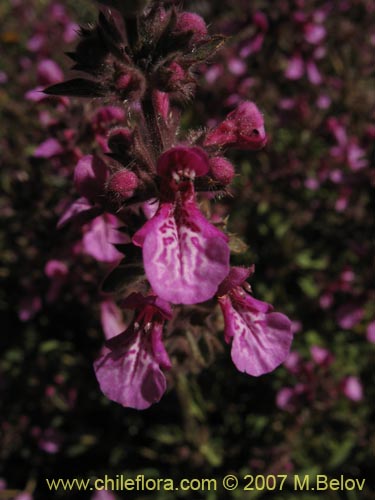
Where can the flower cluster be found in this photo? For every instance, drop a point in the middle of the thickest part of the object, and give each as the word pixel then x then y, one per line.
pixel 143 196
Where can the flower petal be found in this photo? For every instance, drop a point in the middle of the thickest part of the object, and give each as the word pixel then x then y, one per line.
pixel 90 176
pixel 111 319
pixel 181 158
pixel 131 376
pixel 80 210
pixel 185 257
pixel 158 348
pixel 48 148
pixel 261 342
pixel 97 239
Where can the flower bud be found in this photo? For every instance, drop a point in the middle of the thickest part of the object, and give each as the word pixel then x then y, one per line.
pixel 123 183
pixel 130 84
pixel 188 21
pixel 172 78
pixel 243 128
pixel 161 103
pixel 221 169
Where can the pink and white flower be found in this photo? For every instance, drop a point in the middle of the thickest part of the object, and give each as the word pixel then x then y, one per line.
pixel 261 338
pixel 185 257
pixel 130 371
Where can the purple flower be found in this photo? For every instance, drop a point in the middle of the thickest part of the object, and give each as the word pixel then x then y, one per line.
pixel 314 33
pixel 48 148
pixel 352 388
pixel 349 315
pixel 129 373
pixel 321 356
pixel 295 68
pixel 260 338
pixel 49 72
pixel 100 237
pixel 313 73
pixel 185 257
pixel 285 399
pixel 90 176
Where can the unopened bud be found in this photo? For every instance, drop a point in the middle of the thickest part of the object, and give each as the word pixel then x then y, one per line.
pixel 171 78
pixel 188 21
pixel 123 81
pixel 222 169
pixel 130 84
pixel 177 74
pixel 161 103
pixel 123 183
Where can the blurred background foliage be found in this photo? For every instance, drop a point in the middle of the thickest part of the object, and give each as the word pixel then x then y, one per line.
pixel 303 207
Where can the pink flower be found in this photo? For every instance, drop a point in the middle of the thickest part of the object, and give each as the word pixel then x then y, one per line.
pixel 129 373
pixel 90 176
pixel 183 161
pixel 261 339
pixel 313 73
pixel 80 210
pixel 286 399
pixel 349 315
pixel 100 237
pixel 49 72
pixel 185 257
pixel 48 148
pixel 314 33
pixel 356 156
pixel 243 128
pixel 352 388
pixel 295 68
pixel 321 356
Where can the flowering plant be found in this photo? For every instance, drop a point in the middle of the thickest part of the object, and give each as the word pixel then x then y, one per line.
pixel 145 192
